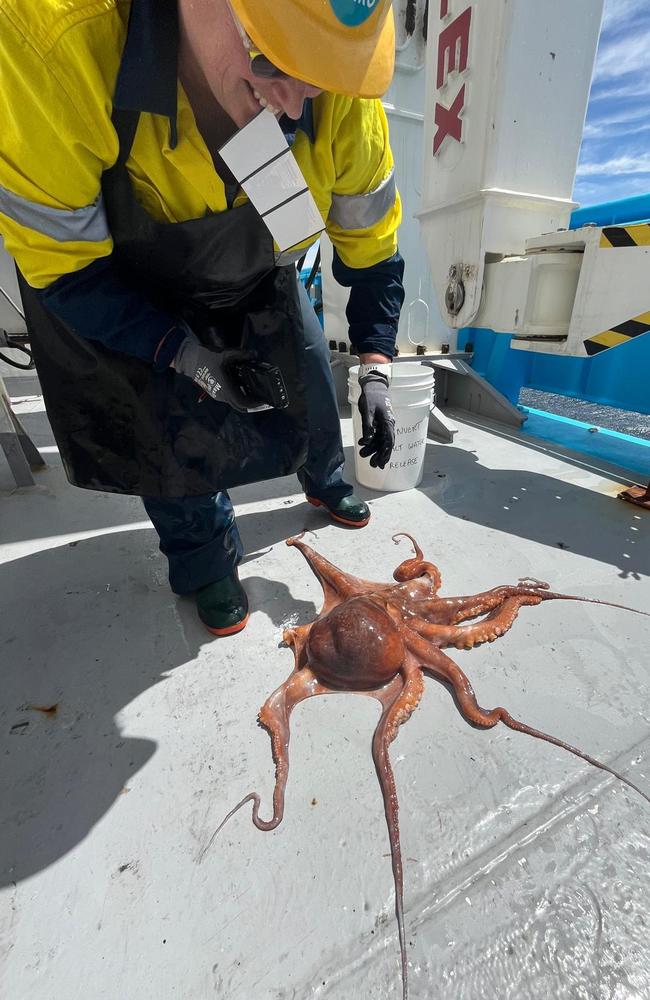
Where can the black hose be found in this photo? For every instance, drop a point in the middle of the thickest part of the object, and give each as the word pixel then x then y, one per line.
pixel 17 364
pixel 16 343
pixel 314 271
pixel 9 340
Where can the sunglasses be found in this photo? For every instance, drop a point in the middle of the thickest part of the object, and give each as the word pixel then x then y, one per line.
pixel 261 67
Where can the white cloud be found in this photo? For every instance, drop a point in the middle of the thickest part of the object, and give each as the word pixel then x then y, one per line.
pixel 635 89
pixel 628 164
pixel 592 190
pixel 620 116
pixel 621 12
pixel 626 55
pixel 613 130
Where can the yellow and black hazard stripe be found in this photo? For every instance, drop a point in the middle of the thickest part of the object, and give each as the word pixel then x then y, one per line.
pixel 625 236
pixel 618 335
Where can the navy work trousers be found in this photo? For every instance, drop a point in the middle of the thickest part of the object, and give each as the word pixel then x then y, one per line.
pixel 199 535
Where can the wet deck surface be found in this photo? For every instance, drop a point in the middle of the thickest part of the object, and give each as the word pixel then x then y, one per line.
pixel 527 872
pixel 623 421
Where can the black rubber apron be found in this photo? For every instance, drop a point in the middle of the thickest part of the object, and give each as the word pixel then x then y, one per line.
pixel 123 428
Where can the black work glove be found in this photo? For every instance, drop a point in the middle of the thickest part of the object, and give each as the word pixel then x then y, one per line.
pixel 213 372
pixel 377 419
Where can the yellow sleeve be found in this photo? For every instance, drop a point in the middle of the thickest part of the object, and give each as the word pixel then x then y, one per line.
pixel 56 139
pixel 364 186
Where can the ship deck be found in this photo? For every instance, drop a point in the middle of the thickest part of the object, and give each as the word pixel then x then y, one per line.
pixel 526 870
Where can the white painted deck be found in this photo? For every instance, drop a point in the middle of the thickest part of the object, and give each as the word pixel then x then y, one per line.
pixel 527 873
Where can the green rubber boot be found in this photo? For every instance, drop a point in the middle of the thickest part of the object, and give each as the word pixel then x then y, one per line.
pixel 223 606
pixel 350 511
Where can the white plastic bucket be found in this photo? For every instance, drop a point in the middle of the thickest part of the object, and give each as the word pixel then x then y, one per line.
pixel 411 393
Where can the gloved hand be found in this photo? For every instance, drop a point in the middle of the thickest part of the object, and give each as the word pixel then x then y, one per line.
pixel 212 371
pixel 377 418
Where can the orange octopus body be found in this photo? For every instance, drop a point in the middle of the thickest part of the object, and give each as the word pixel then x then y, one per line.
pixel 355 647
pixel 379 639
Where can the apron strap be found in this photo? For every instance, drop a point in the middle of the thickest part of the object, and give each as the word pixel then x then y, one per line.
pixel 125 122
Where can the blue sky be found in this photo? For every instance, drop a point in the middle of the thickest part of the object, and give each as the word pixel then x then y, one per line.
pixel 615 155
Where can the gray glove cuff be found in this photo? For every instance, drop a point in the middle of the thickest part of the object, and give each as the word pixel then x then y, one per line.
pixel 376 368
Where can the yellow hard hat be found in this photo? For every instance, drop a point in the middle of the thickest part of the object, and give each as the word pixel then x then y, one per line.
pixel 343 46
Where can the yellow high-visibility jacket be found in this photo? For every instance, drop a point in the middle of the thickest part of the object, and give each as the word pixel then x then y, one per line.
pixel 59 61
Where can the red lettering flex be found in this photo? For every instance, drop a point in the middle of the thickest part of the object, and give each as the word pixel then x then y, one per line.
pixel 454 36
pixel 453 56
pixel 449 121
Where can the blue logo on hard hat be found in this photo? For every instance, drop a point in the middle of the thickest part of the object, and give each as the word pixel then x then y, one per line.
pixel 354 12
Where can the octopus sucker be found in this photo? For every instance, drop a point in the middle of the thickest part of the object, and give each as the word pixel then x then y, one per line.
pixel 381 640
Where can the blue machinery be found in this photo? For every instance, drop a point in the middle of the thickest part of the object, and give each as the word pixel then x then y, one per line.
pixel 618 377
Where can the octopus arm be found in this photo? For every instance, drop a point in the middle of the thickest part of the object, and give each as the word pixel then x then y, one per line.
pixel 496 624
pixel 440 666
pixel 274 716
pixel 337 585
pixel 399 699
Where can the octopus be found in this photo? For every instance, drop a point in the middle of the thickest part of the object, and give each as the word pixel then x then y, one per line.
pixel 380 639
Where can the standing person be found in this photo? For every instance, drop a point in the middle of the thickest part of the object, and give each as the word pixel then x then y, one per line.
pixel 151 283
